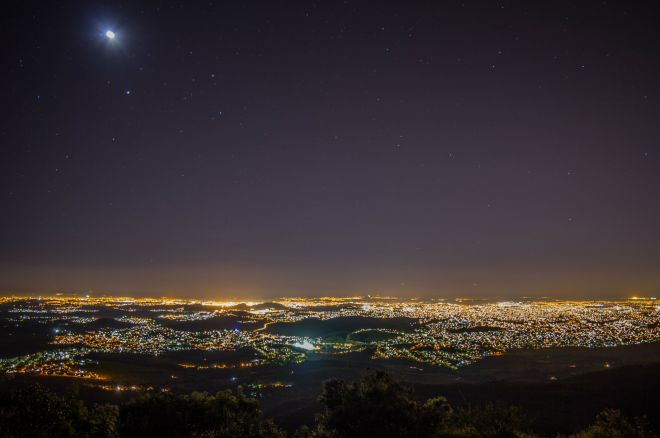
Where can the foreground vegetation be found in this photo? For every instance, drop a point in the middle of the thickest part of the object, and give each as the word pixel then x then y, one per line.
pixel 377 405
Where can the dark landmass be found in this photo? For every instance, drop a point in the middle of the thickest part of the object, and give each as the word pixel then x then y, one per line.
pixel 374 404
pixel 371 335
pixel 268 306
pixel 566 405
pixel 27 338
pixel 339 327
pixel 587 381
pixel 105 323
pixel 562 406
pixel 223 322
pixel 522 378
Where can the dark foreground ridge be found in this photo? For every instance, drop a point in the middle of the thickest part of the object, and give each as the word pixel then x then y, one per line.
pixel 377 405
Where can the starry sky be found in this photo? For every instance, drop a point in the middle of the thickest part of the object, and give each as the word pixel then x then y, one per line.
pixel 261 149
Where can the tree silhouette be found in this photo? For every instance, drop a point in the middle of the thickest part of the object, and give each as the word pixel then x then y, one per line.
pixel 34 411
pixel 378 405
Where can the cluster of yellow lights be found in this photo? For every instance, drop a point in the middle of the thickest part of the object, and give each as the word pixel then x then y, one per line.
pixel 447 333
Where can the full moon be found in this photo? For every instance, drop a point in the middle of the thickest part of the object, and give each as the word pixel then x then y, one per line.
pixel 110 34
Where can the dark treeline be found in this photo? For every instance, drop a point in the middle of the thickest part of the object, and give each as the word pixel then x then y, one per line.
pixel 375 406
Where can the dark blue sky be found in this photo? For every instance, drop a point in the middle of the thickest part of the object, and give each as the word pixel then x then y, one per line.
pixel 243 149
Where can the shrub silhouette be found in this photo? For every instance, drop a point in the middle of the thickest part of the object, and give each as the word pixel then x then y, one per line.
pixel 611 423
pixel 492 421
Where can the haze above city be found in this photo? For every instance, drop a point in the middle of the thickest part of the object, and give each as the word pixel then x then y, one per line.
pixel 242 150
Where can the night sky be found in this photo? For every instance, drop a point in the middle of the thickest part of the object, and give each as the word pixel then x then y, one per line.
pixel 261 149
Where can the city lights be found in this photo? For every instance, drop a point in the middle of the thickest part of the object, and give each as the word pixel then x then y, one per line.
pixel 448 334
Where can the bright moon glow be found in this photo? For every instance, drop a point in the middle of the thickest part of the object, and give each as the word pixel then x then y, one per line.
pixel 110 34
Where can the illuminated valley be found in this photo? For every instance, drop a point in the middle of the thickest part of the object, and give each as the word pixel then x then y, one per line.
pixel 78 333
